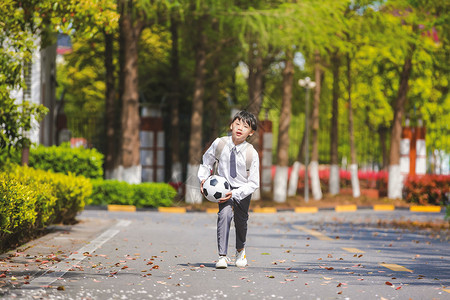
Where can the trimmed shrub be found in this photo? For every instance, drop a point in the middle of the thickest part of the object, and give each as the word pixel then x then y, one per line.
pixel 63 196
pixel 427 189
pixel 141 195
pixel 64 159
pixel 9 156
pixel 111 192
pixel 17 204
pixel 33 199
pixel 153 194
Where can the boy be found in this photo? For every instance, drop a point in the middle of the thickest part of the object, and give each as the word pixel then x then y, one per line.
pixel 238 162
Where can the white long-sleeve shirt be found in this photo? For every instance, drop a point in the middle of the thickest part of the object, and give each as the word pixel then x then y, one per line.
pixel 243 185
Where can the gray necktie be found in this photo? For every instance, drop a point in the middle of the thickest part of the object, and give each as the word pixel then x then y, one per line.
pixel 233 163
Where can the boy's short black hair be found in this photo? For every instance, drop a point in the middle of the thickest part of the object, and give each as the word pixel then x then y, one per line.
pixel 246 117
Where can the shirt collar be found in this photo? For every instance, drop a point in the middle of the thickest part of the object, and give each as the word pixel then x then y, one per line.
pixel 239 147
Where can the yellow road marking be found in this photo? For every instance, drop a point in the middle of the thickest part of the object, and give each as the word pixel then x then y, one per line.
pixel 343 208
pixel 265 210
pixel 353 250
pixel 418 208
pixel 446 290
pixel 314 233
pixel 306 209
pixel 175 210
pixel 114 207
pixel 212 210
pixel 383 207
pixel 395 267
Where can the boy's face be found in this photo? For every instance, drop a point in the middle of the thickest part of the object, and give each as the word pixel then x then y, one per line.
pixel 240 131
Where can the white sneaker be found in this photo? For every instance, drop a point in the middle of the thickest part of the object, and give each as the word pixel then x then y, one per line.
pixel 241 259
pixel 223 262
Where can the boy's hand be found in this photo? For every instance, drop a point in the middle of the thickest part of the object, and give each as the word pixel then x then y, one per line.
pixel 226 198
pixel 201 186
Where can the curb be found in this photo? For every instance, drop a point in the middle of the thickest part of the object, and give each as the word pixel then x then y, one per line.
pixel 172 210
pixel 430 209
pixel 306 210
pixel 346 208
pixel 127 208
pixel 383 207
pixel 265 210
pixel 272 210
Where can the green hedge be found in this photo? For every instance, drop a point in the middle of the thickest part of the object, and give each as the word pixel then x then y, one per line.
pixel 141 195
pixel 64 159
pixel 33 199
pixel 61 159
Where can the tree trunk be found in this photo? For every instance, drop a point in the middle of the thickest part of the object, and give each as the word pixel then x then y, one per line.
pixel 255 88
pixel 214 100
pixel 129 168
pixel 314 170
pixel 255 97
pixel 395 183
pixel 334 163
pixel 281 174
pixel 110 108
pixel 382 133
pixel 353 162
pixel 302 149
pixel 297 165
pixel 193 194
pixel 215 91
pixel 176 172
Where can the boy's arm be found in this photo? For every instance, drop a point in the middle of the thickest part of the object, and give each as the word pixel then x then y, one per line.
pixel 208 159
pixel 253 180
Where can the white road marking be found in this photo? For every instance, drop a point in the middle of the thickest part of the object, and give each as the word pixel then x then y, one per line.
pixel 58 270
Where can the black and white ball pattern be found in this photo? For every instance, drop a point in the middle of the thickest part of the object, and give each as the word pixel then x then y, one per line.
pixel 215 187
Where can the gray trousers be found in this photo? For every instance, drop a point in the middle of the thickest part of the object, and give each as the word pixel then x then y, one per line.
pixel 228 210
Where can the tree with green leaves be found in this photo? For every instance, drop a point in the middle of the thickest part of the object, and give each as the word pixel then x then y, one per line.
pixel 193 194
pixel 281 175
pixel 135 15
pixel 199 15
pixel 87 76
pixel 20 23
pixel 413 19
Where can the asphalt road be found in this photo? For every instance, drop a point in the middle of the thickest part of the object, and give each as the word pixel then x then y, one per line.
pixel 151 255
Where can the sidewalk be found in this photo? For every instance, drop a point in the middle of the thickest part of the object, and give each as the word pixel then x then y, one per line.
pixel 32 259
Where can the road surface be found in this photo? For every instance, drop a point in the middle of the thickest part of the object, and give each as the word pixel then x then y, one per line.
pixel 153 255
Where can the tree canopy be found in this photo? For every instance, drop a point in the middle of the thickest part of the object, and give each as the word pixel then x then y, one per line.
pixel 376 36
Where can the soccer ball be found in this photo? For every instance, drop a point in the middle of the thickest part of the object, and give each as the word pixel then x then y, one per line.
pixel 215 187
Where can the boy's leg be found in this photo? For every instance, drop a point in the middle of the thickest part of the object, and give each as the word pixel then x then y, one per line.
pixel 240 220
pixel 223 226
